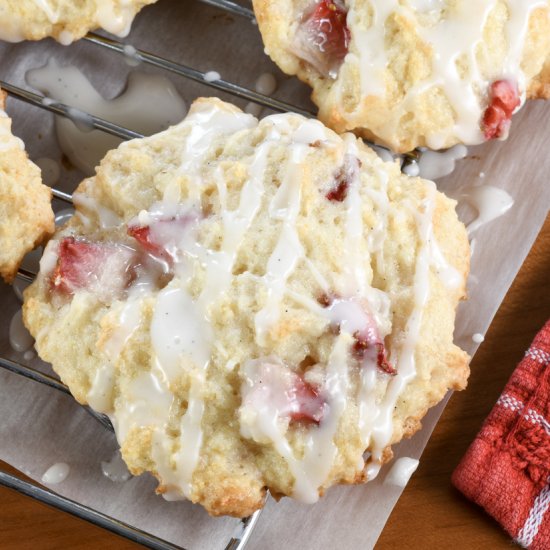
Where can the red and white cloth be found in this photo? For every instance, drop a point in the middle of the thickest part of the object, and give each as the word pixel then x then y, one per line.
pixel 507 468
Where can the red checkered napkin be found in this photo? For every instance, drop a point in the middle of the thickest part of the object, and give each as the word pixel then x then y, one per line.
pixel 507 468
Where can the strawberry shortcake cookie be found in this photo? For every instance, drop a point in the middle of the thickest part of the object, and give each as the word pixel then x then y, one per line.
pixel 412 73
pixel 65 20
pixel 26 216
pixel 256 305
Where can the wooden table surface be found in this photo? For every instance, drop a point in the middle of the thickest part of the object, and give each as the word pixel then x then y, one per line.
pixel 431 513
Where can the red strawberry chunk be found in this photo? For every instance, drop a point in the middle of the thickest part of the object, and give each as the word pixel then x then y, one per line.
pixel 367 344
pixel 323 37
pixel 495 122
pixel 305 402
pixel 325 299
pixel 329 21
pixel 352 316
pixel 143 237
pixel 507 93
pixel 339 192
pixel 273 389
pixel 504 100
pixel 382 360
pixel 161 237
pixel 102 268
pixel 345 175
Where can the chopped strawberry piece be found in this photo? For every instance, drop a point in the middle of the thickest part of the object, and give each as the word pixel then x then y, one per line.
pixel 339 192
pixel 507 93
pixel 274 390
pixel 382 360
pixel 504 99
pixel 353 316
pixel 161 237
pixel 367 343
pixel 325 299
pixel 323 37
pixel 495 122
pixel 306 404
pixel 345 175
pixel 143 237
pixel 329 20
pixel 103 268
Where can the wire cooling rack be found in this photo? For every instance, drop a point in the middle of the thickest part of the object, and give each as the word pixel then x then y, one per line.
pixel 246 526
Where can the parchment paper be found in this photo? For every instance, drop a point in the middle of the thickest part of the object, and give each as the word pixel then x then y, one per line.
pixel 40 427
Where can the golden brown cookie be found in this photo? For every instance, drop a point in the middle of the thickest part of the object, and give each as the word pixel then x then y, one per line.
pixel 256 305
pixel 65 20
pixel 540 85
pixel 26 217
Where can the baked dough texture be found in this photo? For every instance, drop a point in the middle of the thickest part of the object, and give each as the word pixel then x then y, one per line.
pixel 65 20
pixel 26 216
pixel 256 305
pixel 409 73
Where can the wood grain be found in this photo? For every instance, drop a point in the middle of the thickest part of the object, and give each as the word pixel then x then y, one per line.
pixel 431 513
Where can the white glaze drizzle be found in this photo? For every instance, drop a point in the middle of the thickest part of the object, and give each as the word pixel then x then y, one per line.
pixel 211 76
pixel 378 301
pixel 204 124
pixel 433 165
pixel 100 395
pixel 354 267
pixel 283 261
pixel 128 320
pixel 48 261
pixel 427 6
pixel 115 469
pixel 84 146
pixel 131 56
pixel 56 473
pixel 402 355
pixel 411 169
pixel 106 217
pixel 369 51
pixel 478 338
pixel 115 16
pixel 489 202
pixel 265 84
pixel 182 339
pixel 66 37
pixel 20 338
pixel 401 471
pixel 448 274
pixel 451 38
pixel 51 14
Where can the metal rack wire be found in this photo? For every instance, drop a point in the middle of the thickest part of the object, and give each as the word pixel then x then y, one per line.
pixel 245 527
